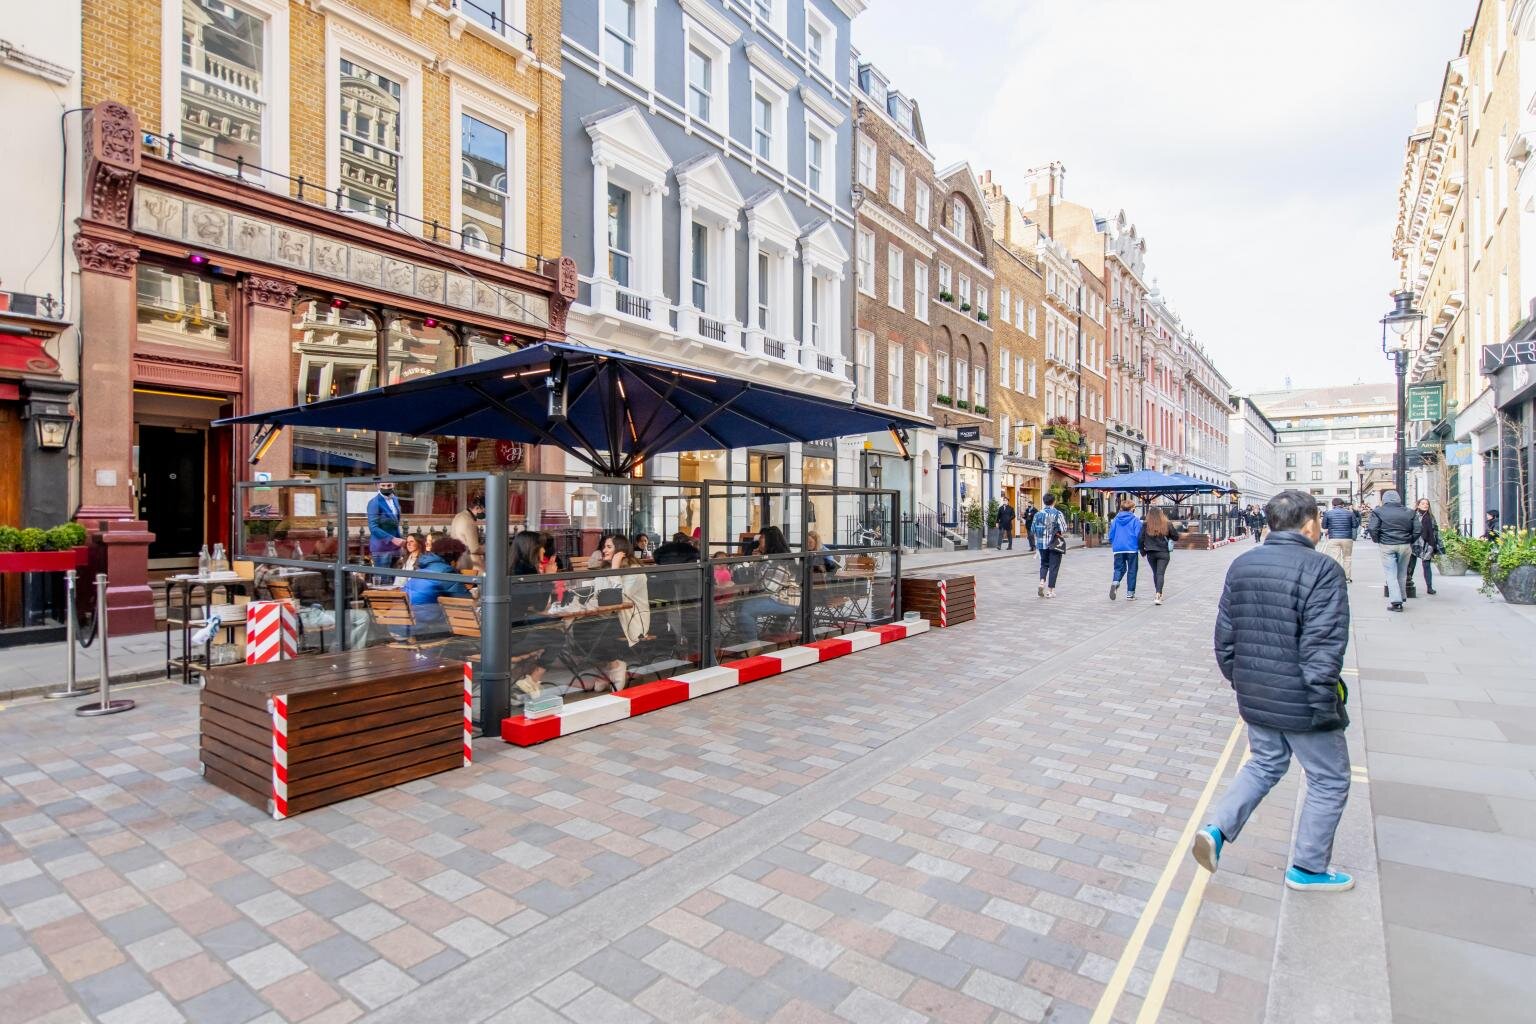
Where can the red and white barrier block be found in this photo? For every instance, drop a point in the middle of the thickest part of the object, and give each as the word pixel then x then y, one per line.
pixel 637 700
pixel 469 701
pixel 271 632
pixel 278 706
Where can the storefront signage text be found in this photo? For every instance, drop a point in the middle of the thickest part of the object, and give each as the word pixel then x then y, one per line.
pixel 967 433
pixel 1427 402
pixel 1509 353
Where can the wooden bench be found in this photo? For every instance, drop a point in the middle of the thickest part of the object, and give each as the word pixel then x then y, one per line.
pixel 357 722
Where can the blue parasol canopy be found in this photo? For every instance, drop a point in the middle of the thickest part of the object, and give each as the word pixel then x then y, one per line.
pixel 618 408
pixel 1147 484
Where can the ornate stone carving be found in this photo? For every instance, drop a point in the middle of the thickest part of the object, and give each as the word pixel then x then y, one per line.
pixel 99 256
pixel 568 277
pixel 113 163
pixel 269 291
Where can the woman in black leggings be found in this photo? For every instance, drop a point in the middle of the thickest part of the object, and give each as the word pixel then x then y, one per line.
pixel 1157 537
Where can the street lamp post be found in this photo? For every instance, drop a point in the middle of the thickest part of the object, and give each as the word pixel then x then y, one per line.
pixel 1398 339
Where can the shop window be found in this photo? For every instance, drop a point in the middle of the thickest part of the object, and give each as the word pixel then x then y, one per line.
pixel 184 310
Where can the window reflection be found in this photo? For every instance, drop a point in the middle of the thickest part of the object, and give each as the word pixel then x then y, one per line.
pixel 184 309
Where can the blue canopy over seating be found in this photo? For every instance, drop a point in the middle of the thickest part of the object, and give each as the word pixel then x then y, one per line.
pixel 619 408
pixel 1147 484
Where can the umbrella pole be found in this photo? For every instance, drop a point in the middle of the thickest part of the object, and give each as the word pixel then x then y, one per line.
pixel 495 612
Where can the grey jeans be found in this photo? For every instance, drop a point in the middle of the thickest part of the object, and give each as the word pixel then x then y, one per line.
pixel 1394 565
pixel 1324 756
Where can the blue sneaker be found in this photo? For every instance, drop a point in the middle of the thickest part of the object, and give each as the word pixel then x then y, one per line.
pixel 1325 881
pixel 1207 847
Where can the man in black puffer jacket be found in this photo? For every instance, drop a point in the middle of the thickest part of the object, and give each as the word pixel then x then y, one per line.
pixel 1281 630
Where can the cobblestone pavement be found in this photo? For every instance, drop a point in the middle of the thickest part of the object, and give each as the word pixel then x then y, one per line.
pixel 966 826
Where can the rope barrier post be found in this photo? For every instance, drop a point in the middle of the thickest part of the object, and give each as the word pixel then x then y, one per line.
pixel 105 705
pixel 69 642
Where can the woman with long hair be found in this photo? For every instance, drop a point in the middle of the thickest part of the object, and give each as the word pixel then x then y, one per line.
pixel 536 637
pixel 423 593
pixel 612 637
pixel 415 547
pixel 1157 537
pixel 1426 542
pixel 779 580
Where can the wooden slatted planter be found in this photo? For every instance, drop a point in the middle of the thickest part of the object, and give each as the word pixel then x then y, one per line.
pixel 291 736
pixel 943 598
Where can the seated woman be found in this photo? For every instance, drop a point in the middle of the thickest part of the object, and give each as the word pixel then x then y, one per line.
pixel 780 583
pixel 415 547
pixel 612 638
pixel 822 560
pixel 642 545
pixel 423 594
pixel 537 639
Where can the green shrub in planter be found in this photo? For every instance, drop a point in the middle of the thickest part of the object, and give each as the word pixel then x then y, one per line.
pixel 1513 555
pixel 10 539
pixel 33 539
pixel 973 515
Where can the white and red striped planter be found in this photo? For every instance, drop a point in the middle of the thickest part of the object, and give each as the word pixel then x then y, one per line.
pixel 271 632
pixel 637 700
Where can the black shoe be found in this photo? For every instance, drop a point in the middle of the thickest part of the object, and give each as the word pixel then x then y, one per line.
pixel 1395 606
pixel 1430 591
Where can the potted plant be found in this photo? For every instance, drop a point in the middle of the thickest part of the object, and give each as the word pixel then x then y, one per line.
pixel 1460 554
pixel 973 524
pixel 965 307
pixel 1512 566
pixel 994 534
pixel 943 400
pixel 36 550
pixel 982 316
pixel 946 296
pixel 1093 529
pixel 962 404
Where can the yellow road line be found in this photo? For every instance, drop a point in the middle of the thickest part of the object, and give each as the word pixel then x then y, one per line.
pixel 1173 952
pixel 1117 981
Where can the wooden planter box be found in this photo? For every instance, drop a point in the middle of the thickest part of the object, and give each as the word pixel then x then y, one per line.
pixel 346 725
pixel 42 561
pixel 943 598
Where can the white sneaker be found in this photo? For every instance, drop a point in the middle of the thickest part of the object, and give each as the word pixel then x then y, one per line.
pixel 1158 599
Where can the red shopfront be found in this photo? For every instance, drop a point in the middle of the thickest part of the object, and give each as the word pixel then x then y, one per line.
pixel 203 296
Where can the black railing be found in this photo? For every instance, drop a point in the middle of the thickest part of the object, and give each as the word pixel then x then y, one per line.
pixel 492 20
pixel 711 329
pixel 633 305
pixel 337 200
pixel 824 364
pixel 773 348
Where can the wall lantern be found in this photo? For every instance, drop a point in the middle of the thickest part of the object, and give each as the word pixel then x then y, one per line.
pixel 52 424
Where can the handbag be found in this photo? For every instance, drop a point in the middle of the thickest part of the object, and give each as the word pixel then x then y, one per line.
pixel 1058 537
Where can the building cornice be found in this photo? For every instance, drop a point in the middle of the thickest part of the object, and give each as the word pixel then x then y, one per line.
pixel 713 21
pixel 874 212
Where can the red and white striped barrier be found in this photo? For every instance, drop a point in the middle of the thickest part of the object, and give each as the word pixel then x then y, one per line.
pixel 637 700
pixel 271 632
pixel 469 700
pixel 278 705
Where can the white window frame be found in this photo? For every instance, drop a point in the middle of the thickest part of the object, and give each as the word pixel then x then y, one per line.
pixel 1018 375
pixel 1005 433
pixel 778 134
pixel 1034 323
pixel 983 297
pixel 1005 305
pixel 920 291
pixel 946 279
pixel 962 369
pixel 867 165
pixel 864 353
pixel 896 185
pixel 923 203
pixel 980 390
pixel 959 218
pixel 817 128
pixel 275 47
pixel 1033 380
pixel 815 19
pixel 464 98
pixel 645 46
pixel 941 376
pixel 345 40
pixel 777 15
pixel 963 296
pixel 895 376
pixel 865 245
pixel 715 40
pixel 895 277
pixel 920 381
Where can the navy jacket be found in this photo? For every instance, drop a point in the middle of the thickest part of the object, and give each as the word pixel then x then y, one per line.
pixel 1281 630
pixel 1341 523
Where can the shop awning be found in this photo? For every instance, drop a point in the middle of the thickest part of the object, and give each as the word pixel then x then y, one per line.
pixel 1070 472
pixel 619 409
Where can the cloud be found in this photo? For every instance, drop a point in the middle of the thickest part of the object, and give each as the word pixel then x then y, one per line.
pixel 1257 147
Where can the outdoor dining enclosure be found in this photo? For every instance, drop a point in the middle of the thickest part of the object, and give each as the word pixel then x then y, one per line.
pixel 539 639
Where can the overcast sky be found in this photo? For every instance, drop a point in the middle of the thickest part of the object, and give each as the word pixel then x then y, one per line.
pixel 1257 147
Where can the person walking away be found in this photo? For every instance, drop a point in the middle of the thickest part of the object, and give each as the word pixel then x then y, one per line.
pixel 1125 543
pixel 465 529
pixel 1391 527
pixel 1049 531
pixel 1029 524
pixel 1256 523
pixel 1158 535
pixel 1340 524
pixel 384 536
pixel 1281 628
pixel 1426 543
pixel 1005 517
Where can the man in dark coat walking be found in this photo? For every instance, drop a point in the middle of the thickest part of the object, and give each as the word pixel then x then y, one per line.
pixel 1005 517
pixel 1281 630
pixel 1029 522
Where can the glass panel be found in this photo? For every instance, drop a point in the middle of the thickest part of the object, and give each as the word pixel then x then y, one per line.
pixel 222 94
pixel 700 69
pixel 618 235
pixel 370 139
pixel 619 34
pixel 813 162
pixel 335 352
pixel 183 309
pixel 762 126
pixel 700 267
pixel 484 185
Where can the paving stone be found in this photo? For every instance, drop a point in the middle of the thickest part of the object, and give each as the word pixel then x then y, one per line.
pixel 377 983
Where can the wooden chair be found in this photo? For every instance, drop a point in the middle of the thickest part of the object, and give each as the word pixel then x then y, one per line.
pixel 391 609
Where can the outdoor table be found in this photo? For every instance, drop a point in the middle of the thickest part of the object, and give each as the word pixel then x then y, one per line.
pixel 187 582
pixel 293 735
pixel 575 652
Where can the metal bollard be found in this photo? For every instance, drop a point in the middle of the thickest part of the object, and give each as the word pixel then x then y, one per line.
pixel 69 642
pixel 106 705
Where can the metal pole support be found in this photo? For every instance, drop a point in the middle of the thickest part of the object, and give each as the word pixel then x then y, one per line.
pixel 105 705
pixel 69 642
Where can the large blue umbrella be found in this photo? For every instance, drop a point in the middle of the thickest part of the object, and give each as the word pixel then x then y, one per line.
pixel 1147 483
pixel 610 410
